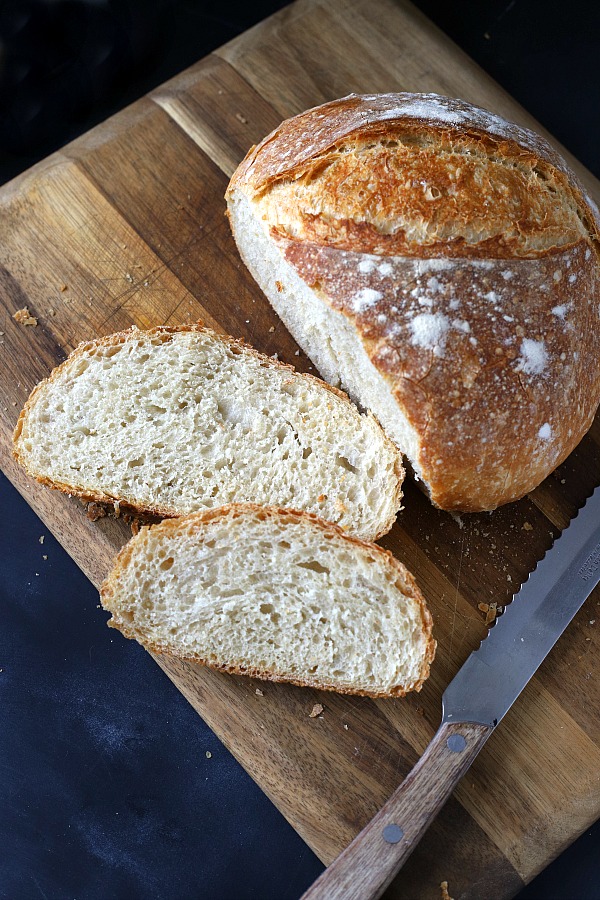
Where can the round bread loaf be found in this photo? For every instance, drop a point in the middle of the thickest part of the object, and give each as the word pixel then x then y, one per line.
pixel 441 265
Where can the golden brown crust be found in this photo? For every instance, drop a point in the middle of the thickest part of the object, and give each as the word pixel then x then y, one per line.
pixel 478 307
pixel 196 521
pixel 483 357
pixel 297 141
pixel 447 198
pixel 163 333
pixel 344 172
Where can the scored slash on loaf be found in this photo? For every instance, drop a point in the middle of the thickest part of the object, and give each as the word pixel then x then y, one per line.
pixel 175 420
pixel 441 265
pixel 275 594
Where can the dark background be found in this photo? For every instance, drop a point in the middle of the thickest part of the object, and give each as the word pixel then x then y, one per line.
pixel 106 791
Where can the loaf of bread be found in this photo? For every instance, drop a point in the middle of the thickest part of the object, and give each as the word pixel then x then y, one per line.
pixel 276 594
pixel 441 265
pixel 174 420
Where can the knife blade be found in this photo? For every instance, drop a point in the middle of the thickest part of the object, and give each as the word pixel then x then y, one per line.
pixel 525 633
pixel 473 704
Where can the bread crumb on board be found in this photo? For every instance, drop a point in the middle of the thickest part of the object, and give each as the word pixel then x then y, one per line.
pixel 444 890
pixel 527 526
pixel 259 693
pixel 491 611
pixel 95 511
pixel 23 317
pixel 315 711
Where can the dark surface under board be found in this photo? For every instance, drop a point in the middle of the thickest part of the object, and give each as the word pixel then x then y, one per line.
pixel 107 790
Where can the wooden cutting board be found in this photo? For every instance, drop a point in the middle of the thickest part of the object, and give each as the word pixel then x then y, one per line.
pixel 126 226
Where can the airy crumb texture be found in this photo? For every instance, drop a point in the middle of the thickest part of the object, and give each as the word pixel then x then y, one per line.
pixel 172 421
pixel 275 594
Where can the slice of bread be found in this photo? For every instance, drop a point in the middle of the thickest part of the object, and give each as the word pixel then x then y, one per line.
pixel 276 594
pixel 176 420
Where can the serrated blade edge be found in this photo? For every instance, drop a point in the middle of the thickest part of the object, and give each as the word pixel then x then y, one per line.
pixel 493 676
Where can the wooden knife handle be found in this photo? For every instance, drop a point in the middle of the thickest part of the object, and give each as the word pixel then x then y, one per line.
pixel 366 867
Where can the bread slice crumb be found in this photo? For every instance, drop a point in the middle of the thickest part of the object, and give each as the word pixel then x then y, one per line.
pixel 259 693
pixel 316 711
pixel 276 436
pixel 207 588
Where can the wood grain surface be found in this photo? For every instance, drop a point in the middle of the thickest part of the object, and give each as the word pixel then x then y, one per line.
pixel 126 226
pixel 367 866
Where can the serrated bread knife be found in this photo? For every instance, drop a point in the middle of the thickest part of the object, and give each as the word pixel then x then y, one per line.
pixel 473 704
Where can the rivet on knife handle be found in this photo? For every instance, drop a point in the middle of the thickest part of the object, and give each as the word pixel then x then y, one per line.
pixel 368 864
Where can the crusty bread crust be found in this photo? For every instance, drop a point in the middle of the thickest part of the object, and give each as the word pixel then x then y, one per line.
pixel 481 404
pixel 108 589
pixel 302 146
pixel 164 333
pixel 482 316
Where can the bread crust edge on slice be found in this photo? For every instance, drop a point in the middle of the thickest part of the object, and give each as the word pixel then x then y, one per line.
pixel 108 589
pixel 238 345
